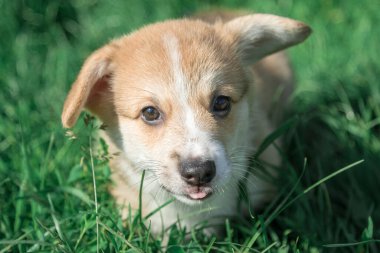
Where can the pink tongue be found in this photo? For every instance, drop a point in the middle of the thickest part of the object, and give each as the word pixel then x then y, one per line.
pixel 198 195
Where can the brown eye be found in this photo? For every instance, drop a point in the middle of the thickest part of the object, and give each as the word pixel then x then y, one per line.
pixel 221 106
pixel 150 115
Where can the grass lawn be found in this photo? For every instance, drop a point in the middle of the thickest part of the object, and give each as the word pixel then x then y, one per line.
pixel 329 199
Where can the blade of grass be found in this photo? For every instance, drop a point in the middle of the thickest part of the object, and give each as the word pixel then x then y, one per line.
pixel 11 243
pixel 139 212
pixel 118 235
pixel 16 242
pixel 51 233
pixel 158 209
pixel 269 247
pixel 46 160
pixel 57 226
pixel 209 246
pixel 95 194
pixel 332 175
pixel 55 220
pixel 350 244
pixel 77 193
pixel 289 124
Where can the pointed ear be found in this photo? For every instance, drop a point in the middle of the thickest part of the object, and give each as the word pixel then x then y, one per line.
pixel 93 79
pixel 258 35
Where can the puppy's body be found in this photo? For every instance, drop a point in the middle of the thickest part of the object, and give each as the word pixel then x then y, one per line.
pixel 182 101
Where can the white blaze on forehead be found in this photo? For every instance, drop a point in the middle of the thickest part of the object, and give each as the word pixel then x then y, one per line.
pixel 198 143
pixel 195 137
pixel 172 48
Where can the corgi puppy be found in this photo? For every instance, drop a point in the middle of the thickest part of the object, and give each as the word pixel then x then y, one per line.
pixel 189 101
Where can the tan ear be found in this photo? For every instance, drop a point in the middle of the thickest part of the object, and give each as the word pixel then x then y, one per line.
pixel 92 79
pixel 258 35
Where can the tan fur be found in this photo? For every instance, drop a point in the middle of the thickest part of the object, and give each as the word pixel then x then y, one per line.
pixel 179 66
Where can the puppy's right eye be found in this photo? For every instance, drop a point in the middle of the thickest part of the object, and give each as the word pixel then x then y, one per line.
pixel 221 106
pixel 150 115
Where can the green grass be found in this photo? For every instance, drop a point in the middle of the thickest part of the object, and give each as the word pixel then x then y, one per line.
pixel 46 178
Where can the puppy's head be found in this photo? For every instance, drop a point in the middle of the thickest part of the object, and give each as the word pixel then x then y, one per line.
pixel 176 97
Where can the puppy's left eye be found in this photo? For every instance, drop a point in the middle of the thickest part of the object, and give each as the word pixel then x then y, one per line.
pixel 150 115
pixel 221 106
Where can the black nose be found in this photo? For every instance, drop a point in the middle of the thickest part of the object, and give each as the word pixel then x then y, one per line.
pixel 197 172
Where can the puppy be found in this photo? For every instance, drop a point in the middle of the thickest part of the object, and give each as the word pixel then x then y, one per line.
pixel 189 101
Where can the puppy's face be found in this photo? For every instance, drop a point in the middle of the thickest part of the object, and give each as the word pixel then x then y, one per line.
pixel 177 98
pixel 180 101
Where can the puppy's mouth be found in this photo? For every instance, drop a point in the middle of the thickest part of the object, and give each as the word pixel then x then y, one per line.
pixel 199 193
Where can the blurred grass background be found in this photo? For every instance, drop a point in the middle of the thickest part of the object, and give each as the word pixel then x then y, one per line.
pixel 46 191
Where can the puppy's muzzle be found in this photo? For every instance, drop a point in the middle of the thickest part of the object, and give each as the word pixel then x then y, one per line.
pixel 197 172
